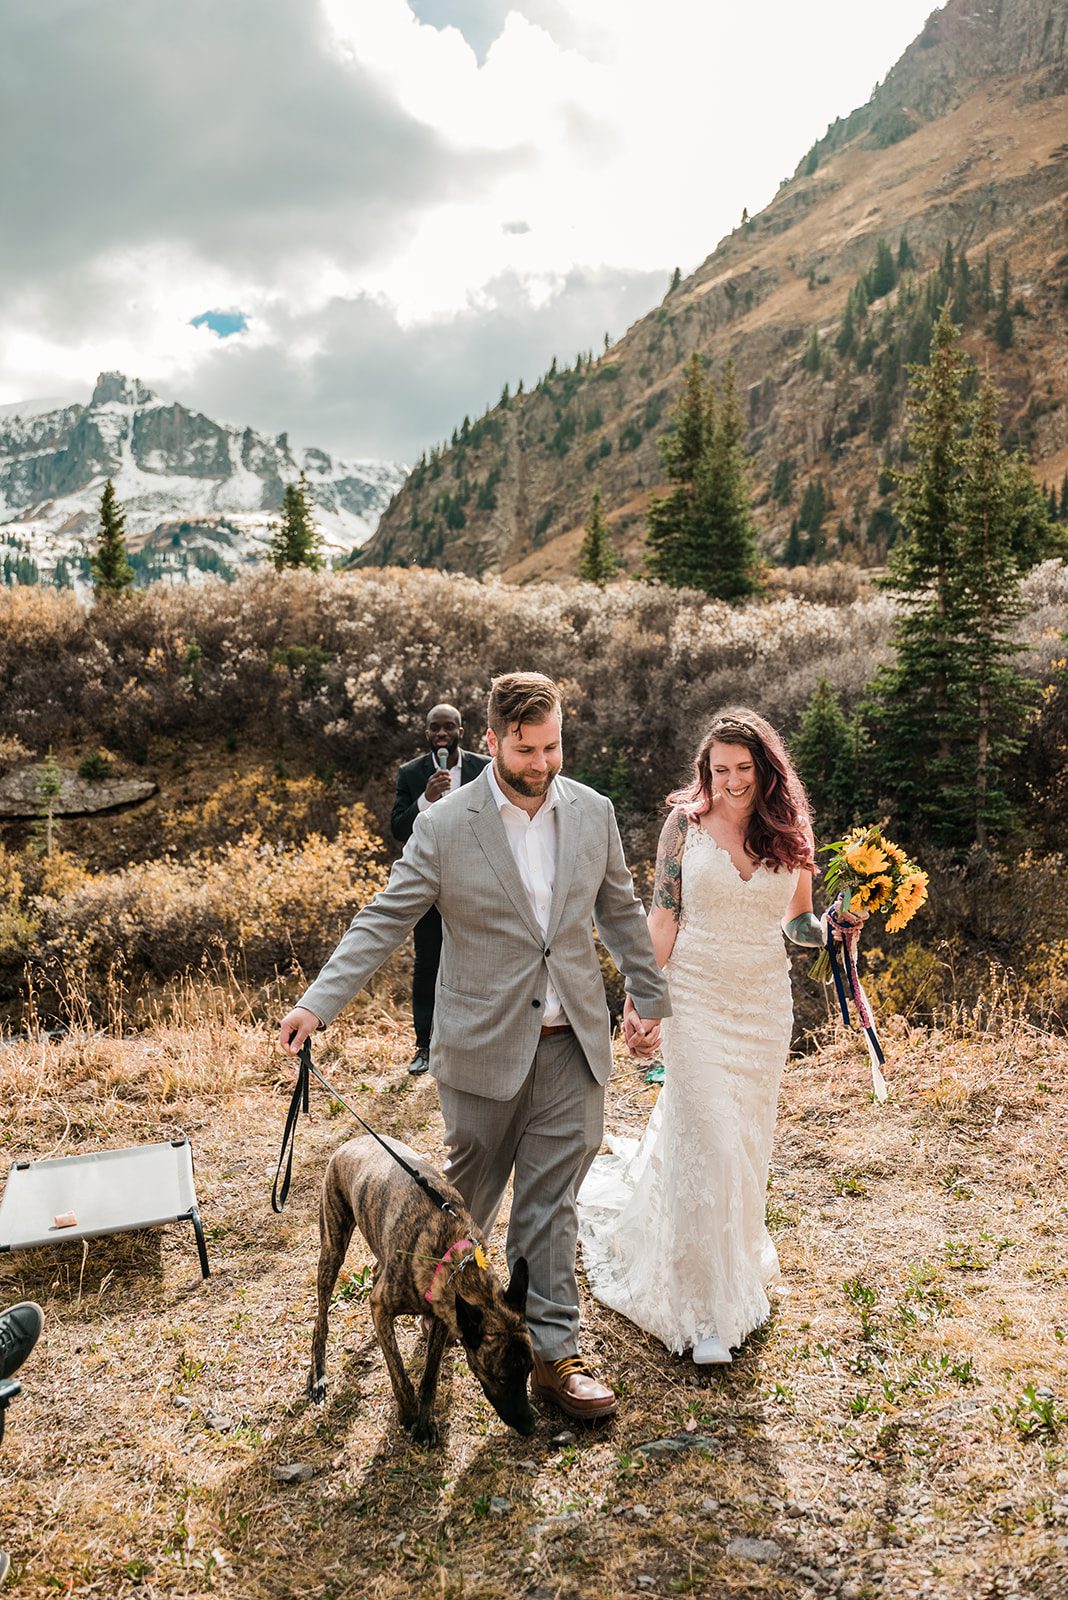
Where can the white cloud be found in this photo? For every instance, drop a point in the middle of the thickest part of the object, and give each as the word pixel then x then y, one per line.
pixel 441 168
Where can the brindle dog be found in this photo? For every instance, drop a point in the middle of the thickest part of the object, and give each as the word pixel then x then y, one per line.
pixel 420 1271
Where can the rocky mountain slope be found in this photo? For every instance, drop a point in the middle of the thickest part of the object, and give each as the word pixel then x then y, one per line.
pixel 963 149
pixel 199 495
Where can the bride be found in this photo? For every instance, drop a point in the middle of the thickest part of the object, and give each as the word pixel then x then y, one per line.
pixel 672 1228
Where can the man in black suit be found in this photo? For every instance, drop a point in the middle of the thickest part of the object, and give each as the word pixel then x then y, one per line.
pixel 419 783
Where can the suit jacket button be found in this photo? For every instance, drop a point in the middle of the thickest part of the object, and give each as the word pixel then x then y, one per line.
pixel 548 953
pixel 535 1004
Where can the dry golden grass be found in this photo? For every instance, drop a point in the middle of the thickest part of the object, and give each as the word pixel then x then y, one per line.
pixel 876 1431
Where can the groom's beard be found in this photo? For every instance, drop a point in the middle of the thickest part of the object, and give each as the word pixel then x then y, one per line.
pixel 521 783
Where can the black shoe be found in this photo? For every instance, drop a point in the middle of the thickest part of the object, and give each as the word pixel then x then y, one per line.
pixel 20 1329
pixel 420 1062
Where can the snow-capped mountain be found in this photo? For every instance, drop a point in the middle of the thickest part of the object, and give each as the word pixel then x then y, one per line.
pixel 198 495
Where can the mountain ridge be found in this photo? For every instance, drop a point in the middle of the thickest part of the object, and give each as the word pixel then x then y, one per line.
pixel 963 144
pixel 198 494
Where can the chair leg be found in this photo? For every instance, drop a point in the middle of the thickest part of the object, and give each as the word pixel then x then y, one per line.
pixel 202 1249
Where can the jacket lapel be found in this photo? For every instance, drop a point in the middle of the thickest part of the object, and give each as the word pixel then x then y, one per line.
pixel 567 832
pixel 489 831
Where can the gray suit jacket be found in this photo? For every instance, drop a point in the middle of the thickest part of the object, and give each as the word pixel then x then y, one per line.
pixel 494 960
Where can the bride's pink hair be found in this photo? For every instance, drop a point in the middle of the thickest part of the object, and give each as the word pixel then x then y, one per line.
pixel 779 830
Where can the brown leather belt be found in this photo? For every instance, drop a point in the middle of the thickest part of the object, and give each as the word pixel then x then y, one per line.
pixel 556 1027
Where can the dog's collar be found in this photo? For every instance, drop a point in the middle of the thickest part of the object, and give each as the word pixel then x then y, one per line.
pixel 461 1244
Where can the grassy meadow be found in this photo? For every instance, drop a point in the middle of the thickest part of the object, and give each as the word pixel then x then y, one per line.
pixel 900 1427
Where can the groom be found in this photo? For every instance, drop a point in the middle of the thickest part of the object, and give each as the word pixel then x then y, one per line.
pixel 521 863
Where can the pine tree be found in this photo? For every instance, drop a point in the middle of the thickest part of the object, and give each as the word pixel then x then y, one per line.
pixel 731 564
pixel 846 341
pixel 1002 330
pixel 597 559
pixel 295 540
pixel 828 751
pixel 986 284
pixel 810 361
pixel 782 485
pixel 883 274
pixel 702 535
pixel 962 291
pixel 987 603
pixel 815 503
pixel 49 790
pixel 794 552
pixel 1064 498
pixel 670 531
pixel 110 569
pixel 945 715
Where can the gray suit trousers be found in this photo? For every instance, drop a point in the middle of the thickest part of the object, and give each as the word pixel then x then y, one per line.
pixel 549 1134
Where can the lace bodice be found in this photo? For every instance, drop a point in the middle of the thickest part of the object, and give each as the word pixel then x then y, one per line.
pixel 719 905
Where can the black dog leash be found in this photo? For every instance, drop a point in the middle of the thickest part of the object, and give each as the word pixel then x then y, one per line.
pixel 299 1102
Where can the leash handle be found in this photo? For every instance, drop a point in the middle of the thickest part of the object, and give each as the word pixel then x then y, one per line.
pixel 299 1100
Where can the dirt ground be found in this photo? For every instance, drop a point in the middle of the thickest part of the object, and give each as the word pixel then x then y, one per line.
pixel 899 1428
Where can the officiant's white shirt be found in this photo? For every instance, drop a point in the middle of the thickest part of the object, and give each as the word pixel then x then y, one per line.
pixel 532 841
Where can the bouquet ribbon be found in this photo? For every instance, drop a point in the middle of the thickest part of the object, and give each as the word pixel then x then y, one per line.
pixel 849 979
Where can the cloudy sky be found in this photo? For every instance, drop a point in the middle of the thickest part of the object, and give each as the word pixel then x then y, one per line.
pixel 356 219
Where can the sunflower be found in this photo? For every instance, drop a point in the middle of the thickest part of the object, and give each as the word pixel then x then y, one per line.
pixel 912 893
pixel 897 920
pixel 866 859
pixel 879 892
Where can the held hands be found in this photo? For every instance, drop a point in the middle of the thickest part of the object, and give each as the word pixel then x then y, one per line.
pixel 298 1025
pixel 642 1038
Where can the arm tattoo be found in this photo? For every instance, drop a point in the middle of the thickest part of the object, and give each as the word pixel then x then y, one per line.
pixel 667 885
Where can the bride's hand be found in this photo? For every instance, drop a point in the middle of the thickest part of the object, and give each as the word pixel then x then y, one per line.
pixel 642 1038
pixel 846 921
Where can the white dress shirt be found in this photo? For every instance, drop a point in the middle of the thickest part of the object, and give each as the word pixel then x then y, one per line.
pixel 532 840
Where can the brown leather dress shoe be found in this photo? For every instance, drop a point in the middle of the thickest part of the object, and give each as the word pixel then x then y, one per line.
pixel 569 1384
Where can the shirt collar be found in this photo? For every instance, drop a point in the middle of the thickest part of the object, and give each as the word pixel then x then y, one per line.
pixel 501 799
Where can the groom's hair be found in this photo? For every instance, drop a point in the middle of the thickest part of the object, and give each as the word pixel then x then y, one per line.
pixel 519 697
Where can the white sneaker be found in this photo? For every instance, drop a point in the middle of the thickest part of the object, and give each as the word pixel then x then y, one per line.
pixel 711 1352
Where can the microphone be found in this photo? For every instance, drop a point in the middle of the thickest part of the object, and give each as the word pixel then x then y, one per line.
pixel 441 756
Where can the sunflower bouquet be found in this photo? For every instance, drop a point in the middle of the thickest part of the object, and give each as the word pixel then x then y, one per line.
pixel 869 873
pixel 866 874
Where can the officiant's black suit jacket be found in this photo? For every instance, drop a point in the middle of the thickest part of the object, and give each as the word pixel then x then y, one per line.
pixel 412 780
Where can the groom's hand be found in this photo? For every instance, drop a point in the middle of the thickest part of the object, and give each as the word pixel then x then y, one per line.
pixel 642 1038
pixel 298 1025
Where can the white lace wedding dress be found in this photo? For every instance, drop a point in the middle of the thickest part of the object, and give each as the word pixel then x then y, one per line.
pixel 672 1227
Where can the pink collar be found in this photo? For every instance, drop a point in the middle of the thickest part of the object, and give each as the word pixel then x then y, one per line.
pixel 461 1244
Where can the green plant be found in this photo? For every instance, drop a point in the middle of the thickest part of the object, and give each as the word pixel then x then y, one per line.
pixel 355 1285
pixel 1037 1414
pixel 850 1181
pixel 95 766
pixel 963 1256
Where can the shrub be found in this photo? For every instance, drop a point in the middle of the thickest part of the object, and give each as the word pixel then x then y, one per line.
pixel 96 765
pixel 279 810
pixel 643 666
pixel 262 908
